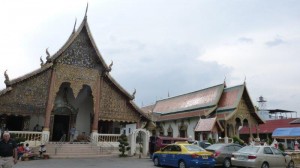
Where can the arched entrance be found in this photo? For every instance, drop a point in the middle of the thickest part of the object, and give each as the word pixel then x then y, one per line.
pixel 139 136
pixel 69 111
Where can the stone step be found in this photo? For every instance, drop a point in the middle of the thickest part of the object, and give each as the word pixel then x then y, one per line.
pixel 78 150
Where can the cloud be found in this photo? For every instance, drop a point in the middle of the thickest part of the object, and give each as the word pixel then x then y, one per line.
pixel 185 48
pixel 277 41
pixel 245 40
pixel 157 70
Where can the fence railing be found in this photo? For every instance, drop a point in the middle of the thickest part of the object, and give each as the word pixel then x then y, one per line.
pixel 27 135
pixel 108 137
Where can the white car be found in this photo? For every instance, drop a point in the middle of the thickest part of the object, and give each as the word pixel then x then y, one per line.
pixel 261 156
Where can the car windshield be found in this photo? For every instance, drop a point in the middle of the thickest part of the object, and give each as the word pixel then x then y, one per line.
pixel 193 148
pixel 215 147
pixel 249 149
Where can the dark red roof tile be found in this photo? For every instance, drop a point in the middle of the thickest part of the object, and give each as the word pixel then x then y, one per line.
pixel 270 126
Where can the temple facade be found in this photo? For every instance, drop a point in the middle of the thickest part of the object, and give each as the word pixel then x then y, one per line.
pixel 215 112
pixel 73 87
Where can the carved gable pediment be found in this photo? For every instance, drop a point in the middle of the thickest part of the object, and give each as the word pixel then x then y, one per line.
pixel 81 53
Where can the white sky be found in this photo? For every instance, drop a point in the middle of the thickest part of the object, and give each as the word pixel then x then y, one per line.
pixel 161 46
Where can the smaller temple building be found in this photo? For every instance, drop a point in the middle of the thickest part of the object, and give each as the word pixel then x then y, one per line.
pixel 215 112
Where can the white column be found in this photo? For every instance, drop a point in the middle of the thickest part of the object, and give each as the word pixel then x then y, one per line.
pixel 132 144
pixel 201 136
pixel 45 136
pixel 216 137
pixel 226 139
pixel 94 136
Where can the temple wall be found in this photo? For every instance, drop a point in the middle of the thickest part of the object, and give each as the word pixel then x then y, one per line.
pixel 36 119
pixel 114 106
pixel 190 123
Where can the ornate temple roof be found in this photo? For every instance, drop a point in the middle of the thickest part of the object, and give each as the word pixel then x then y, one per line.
pixel 207 124
pixel 230 100
pixel 219 99
pixel 205 98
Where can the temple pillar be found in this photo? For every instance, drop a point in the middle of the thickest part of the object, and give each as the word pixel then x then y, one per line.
pixel 250 131
pixel 216 137
pixel 234 130
pixel 50 103
pixel 97 105
pixel 201 136
pixel 257 131
pixel 226 136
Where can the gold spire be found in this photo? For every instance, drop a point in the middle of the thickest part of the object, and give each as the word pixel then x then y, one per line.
pixel 74 26
pixel 87 7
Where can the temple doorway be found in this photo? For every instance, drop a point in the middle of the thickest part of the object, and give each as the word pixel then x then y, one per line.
pixel 11 123
pixel 60 127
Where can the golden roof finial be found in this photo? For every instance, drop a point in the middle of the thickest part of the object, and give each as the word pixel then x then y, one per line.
pixel 6 78
pixel 42 62
pixel 74 26
pixel 110 66
pixel 48 55
pixel 133 94
pixel 87 7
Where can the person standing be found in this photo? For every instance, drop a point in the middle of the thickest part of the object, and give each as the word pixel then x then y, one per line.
pixel 8 151
pixel 72 133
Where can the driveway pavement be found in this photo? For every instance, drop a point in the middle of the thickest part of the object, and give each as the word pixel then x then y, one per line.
pixel 103 162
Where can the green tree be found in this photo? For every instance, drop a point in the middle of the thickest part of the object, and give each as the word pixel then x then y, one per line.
pixel 210 141
pixel 124 145
pixel 281 147
pixel 238 140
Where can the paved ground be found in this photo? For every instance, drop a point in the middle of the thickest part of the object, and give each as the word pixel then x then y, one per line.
pixel 103 162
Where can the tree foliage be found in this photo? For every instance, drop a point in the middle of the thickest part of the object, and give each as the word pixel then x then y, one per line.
pixel 124 145
pixel 238 140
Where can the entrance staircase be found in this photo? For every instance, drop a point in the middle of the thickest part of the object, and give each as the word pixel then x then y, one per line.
pixel 78 150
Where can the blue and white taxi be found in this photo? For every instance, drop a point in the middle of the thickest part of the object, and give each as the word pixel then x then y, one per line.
pixel 184 155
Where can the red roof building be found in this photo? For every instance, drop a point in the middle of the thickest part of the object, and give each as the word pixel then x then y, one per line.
pixel 264 131
pixel 180 115
pixel 271 125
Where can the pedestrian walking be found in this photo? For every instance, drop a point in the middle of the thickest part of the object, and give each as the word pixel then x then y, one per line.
pixel 8 151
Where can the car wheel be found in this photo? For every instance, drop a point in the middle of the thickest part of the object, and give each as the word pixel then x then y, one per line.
pixel 156 161
pixel 291 164
pixel 181 164
pixel 226 163
pixel 265 165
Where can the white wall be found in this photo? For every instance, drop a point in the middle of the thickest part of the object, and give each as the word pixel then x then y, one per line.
pixel 191 123
pixel 83 120
pixel 130 128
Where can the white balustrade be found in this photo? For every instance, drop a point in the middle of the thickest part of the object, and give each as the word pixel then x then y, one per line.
pixel 108 137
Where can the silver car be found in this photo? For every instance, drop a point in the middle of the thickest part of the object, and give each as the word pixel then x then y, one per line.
pixel 222 153
pixel 261 156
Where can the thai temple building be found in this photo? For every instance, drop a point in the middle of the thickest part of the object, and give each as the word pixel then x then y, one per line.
pixel 72 87
pixel 215 112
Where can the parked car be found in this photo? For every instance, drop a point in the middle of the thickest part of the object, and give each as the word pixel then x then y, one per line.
pixel 261 156
pixel 202 144
pixel 158 142
pixel 222 153
pixel 183 155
